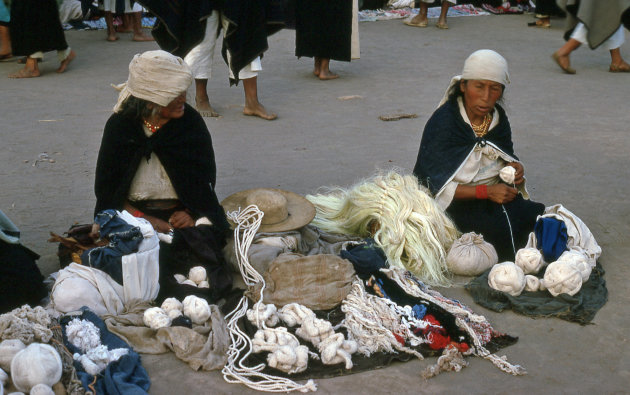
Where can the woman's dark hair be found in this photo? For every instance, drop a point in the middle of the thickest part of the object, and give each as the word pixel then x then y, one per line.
pixel 137 108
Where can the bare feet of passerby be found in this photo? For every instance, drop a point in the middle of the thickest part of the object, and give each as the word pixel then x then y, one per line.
pixel 64 64
pixel 30 70
pixel 252 105
pixel 322 69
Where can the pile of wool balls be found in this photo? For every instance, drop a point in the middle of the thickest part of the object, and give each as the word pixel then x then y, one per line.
pixel 193 307
pixel 34 369
pixel 564 276
pixel 197 277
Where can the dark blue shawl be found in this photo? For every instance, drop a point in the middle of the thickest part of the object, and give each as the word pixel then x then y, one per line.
pixel 447 140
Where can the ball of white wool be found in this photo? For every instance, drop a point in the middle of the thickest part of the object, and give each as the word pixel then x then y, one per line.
pixel 507 174
pixel 197 274
pixel 197 309
pixel 189 282
pixel 532 283
pixel 4 377
pixel 171 304
pixel 36 364
pixel 8 349
pixel 507 277
pixel 156 318
pixel 529 259
pixel 180 278
pixel 562 277
pixel 42 389
pixel 470 255
pixel 204 284
pixel 174 314
pixel 580 261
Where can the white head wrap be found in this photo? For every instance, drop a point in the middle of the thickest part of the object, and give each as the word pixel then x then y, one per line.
pixel 156 76
pixel 484 64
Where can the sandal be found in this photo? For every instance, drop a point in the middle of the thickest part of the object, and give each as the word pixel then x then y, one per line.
pixel 620 68
pixel 539 23
pixel 441 25
pixel 5 57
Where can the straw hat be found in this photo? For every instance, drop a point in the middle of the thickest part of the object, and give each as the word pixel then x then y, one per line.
pixel 283 210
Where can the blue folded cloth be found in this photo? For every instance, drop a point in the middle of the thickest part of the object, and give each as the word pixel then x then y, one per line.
pixel 551 237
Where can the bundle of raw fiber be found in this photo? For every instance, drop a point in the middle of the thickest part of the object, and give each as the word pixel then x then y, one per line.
pixel 156 318
pixel 294 314
pixel 197 309
pixel 399 214
pixel 266 313
pixel 562 277
pixel 451 360
pixel 507 174
pixel 172 307
pixel 470 255
pixel 336 349
pixel 529 259
pixel 507 277
pixel 27 324
pixel 315 330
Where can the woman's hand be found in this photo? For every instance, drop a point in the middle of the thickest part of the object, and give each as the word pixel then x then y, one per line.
pixel 520 172
pixel 502 193
pixel 181 219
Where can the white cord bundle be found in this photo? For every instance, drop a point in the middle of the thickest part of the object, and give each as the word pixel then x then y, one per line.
pixel 294 314
pixel 264 312
pixel 286 353
pixel 315 330
pixel 507 277
pixel 463 319
pixel 372 323
pixel 336 349
pixel 247 223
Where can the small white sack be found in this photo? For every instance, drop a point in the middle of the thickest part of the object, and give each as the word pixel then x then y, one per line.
pixel 470 255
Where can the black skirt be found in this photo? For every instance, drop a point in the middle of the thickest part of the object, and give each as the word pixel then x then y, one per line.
pixel 498 222
pixel 323 28
pixel 35 26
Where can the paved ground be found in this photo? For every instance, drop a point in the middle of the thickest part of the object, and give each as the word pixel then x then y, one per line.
pixel 571 132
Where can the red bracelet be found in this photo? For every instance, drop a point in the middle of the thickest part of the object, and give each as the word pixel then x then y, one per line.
pixel 138 214
pixel 481 191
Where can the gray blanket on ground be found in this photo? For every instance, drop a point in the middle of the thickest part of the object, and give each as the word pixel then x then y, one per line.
pixel 601 17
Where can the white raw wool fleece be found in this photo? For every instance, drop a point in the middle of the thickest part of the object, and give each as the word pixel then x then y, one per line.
pixel 156 318
pixel 562 277
pixel 83 334
pixel 507 277
pixel 470 255
pixel 197 309
pixel 36 364
pixel 171 304
pixel 529 259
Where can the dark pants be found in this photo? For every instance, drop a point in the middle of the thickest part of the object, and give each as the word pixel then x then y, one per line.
pixel 490 220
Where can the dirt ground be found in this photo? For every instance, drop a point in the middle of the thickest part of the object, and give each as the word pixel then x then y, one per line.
pixel 571 131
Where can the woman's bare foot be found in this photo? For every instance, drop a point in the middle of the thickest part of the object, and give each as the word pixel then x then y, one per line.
pixel 420 20
pixel 64 64
pixel 258 110
pixel 327 75
pixel 205 109
pixel 112 37
pixel 317 66
pixel 25 73
pixel 142 37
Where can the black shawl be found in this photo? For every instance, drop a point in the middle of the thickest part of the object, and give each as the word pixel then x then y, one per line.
pixel 35 26
pixel 447 140
pixel 183 146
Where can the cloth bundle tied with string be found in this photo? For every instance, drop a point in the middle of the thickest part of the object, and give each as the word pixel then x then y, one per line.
pixel 155 76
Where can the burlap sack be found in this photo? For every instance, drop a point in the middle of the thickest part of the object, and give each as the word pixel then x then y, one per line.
pixel 470 255
pixel 319 282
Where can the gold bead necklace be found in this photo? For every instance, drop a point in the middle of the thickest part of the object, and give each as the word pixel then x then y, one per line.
pixel 482 129
pixel 153 128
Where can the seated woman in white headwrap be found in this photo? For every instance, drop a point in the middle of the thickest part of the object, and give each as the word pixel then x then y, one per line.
pixel 465 145
pixel 157 162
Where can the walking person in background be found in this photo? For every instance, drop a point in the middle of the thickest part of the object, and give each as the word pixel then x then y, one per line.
pixel 421 20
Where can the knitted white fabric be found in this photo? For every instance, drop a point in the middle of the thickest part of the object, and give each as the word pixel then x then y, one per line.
pixel 83 334
pixel 197 309
pixel 197 274
pixel 8 349
pixel 530 260
pixel 562 277
pixel 156 318
pixel 263 313
pixel 36 364
pixel 507 174
pixel 42 389
pixel 294 314
pixel 470 255
pixel 170 304
pixel 507 277
pixel 579 259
